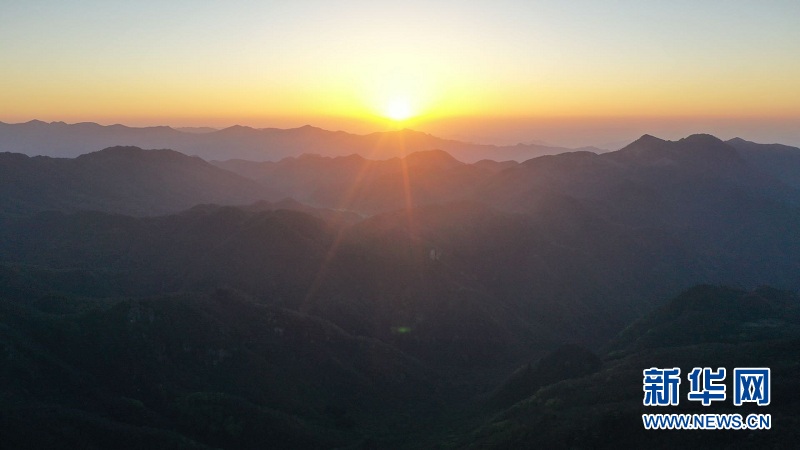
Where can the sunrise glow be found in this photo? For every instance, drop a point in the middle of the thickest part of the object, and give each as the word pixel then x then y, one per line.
pixel 399 110
pixel 364 66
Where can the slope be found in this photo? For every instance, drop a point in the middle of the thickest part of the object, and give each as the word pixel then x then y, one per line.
pixel 119 179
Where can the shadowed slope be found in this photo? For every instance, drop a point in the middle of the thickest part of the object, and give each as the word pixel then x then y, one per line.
pixel 119 179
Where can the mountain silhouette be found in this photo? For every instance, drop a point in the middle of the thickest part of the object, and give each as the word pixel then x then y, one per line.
pixel 153 299
pixel 363 185
pixel 119 179
pixel 58 139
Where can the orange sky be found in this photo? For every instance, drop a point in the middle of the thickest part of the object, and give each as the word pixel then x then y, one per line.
pixel 343 64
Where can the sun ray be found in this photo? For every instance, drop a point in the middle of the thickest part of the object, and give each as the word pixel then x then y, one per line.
pixel 345 204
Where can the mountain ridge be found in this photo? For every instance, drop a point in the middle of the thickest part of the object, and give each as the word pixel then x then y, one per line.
pixel 241 142
pixel 121 179
pixel 300 323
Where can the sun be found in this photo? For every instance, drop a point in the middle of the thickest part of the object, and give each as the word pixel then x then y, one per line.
pixel 399 110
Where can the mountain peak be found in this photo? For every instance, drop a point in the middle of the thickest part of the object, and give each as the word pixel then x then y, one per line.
pixel 648 139
pixel 645 144
pixel 236 129
pixel 702 138
pixel 693 149
pixel 307 131
pixel 738 140
pixel 133 153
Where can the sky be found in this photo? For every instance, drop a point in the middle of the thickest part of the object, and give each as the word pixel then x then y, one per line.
pixel 569 72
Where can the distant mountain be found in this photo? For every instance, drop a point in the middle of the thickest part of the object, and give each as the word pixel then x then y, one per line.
pixel 119 179
pixel 696 201
pixel 62 140
pixel 646 180
pixel 651 182
pixel 363 185
pixel 696 196
pixel 237 142
pixel 671 213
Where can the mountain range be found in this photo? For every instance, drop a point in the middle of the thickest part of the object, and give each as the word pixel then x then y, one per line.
pixel 118 179
pixel 154 299
pixel 59 139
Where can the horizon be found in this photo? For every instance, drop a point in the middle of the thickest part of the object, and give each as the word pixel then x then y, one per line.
pixel 500 73
pixel 669 133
